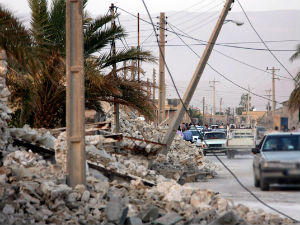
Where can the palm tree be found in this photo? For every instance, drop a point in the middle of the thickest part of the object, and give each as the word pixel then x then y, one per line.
pixel 38 89
pixel 294 100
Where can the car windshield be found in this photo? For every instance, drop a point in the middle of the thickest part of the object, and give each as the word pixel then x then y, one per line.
pixel 214 136
pixel 282 143
pixel 196 133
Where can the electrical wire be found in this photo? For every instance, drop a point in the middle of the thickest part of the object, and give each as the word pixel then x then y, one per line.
pixel 221 73
pixel 199 132
pixel 205 42
pixel 250 192
pixel 254 67
pixel 262 41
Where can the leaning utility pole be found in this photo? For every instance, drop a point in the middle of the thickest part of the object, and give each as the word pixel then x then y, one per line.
pixel 214 94
pixel 203 110
pixel 162 85
pixel 76 161
pixel 273 89
pixel 114 71
pixel 195 80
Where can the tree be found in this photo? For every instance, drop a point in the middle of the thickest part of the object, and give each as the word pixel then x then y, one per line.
pixel 228 111
pixel 294 100
pixel 36 75
pixel 243 104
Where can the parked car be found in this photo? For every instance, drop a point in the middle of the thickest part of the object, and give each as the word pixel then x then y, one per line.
pixel 260 133
pixel 277 160
pixel 240 142
pixel 197 134
pixel 213 142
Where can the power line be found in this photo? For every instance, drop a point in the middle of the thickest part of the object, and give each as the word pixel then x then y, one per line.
pixel 205 42
pixel 219 72
pixel 236 178
pixel 263 41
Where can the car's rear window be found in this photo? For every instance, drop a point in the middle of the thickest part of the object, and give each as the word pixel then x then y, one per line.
pixel 282 143
pixel 214 136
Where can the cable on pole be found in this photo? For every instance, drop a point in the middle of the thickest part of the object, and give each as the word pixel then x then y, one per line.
pixel 236 178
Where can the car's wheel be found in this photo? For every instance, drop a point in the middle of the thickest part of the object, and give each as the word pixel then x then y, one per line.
pixel 229 154
pixel 256 180
pixel 264 186
pixel 204 152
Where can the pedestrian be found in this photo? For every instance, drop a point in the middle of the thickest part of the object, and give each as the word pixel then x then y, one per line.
pixel 179 131
pixel 188 135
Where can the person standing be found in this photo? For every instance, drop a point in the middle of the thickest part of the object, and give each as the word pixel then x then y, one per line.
pixel 188 135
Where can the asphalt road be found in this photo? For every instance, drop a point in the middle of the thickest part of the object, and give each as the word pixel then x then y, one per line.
pixel 284 198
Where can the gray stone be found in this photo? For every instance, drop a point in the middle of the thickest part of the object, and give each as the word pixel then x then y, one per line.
pixel 3 179
pixel 168 219
pixel 133 220
pixel 85 196
pixel 116 211
pixel 229 218
pixel 29 198
pixel 149 214
pixel 8 209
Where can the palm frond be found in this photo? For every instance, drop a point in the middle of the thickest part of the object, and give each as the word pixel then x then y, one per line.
pixel 106 60
pixel 296 55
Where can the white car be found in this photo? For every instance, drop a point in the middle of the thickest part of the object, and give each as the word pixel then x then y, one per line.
pixel 213 142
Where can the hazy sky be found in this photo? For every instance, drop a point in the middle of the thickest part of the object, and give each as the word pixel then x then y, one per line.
pixel 198 18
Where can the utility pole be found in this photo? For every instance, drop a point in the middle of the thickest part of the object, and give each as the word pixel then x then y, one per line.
pixel 125 70
pixel 203 110
pixel 273 89
pixel 132 70
pixel 214 94
pixel 138 47
pixel 116 105
pixel 76 161
pixel 269 97
pixel 154 84
pixel 162 85
pixel 221 106
pixel 248 105
pixel 195 80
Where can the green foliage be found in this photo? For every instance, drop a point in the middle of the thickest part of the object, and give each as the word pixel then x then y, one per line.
pixel 36 57
pixel 243 104
pixel 294 100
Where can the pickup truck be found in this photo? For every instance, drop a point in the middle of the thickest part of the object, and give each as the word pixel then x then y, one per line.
pixel 240 141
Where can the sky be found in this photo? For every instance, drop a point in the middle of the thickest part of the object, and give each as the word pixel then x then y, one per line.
pixel 275 20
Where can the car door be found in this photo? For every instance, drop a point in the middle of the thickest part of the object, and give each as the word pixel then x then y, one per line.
pixel 257 157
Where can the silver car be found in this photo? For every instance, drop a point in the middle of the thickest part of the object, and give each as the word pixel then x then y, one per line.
pixel 277 160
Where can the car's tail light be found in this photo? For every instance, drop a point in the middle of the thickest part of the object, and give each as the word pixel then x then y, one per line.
pixel 203 146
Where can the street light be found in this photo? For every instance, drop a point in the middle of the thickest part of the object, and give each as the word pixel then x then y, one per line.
pixel 238 23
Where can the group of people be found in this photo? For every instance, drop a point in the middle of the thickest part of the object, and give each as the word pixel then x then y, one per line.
pixel 185 132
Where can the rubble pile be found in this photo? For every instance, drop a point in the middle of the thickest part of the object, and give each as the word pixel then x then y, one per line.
pixel 184 161
pixel 33 191
pixel 4 110
pixel 40 137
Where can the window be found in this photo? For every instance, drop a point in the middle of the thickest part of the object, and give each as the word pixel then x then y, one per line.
pixel 282 143
pixel 215 136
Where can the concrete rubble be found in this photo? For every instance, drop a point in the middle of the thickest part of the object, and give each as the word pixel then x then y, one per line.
pixel 34 191
pixel 4 110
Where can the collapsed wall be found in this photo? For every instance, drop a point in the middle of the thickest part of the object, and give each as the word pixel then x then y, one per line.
pixel 4 110
pixel 33 191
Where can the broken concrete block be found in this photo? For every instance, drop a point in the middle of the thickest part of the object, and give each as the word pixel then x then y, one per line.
pixel 229 218
pixel 116 211
pixel 149 214
pixel 168 219
pixel 133 220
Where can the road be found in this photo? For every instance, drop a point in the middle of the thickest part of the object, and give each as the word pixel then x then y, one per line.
pixel 283 198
